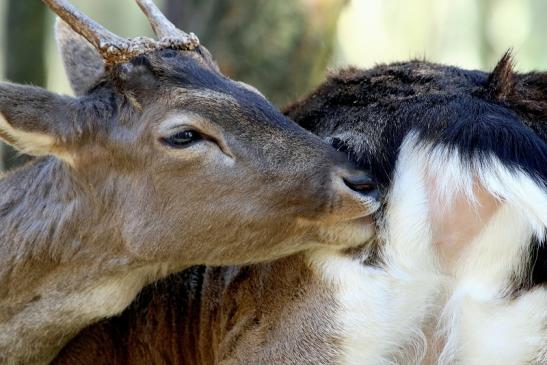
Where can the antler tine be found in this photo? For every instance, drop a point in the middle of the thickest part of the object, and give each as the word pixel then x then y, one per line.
pixel 163 28
pixel 115 49
pixel 109 45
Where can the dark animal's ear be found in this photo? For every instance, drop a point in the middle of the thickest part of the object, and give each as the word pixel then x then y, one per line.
pixel 83 64
pixel 38 122
pixel 525 94
pixel 501 82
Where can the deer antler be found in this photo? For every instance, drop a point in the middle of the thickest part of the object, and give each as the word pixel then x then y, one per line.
pixel 107 43
pixel 115 49
pixel 160 24
pixel 164 29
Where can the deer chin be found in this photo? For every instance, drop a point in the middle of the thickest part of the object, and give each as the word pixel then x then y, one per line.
pixel 347 234
pixel 346 226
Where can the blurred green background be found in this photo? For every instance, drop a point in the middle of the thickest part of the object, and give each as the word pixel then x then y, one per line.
pixel 284 47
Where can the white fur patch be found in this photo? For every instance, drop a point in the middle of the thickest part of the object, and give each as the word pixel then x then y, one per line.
pixel 378 309
pixel 501 332
pixel 415 310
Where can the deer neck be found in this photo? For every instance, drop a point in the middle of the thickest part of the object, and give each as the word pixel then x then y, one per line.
pixel 62 262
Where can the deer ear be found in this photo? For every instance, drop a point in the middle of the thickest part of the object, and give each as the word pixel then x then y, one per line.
pixel 38 122
pixel 83 64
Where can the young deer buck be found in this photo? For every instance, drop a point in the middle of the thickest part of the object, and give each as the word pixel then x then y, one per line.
pixel 456 274
pixel 160 163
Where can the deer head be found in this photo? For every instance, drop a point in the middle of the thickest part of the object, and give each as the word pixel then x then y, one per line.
pixel 196 167
pixel 158 163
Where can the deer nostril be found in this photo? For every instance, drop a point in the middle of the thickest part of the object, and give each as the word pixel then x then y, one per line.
pixel 363 184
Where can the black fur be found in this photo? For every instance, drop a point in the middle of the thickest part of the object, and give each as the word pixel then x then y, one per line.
pixel 375 109
pixel 539 262
pixel 369 112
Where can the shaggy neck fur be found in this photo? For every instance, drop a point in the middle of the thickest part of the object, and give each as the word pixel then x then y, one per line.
pixel 52 225
pixel 420 308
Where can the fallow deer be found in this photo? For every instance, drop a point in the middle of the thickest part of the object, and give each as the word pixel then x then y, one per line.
pixel 159 163
pixel 455 275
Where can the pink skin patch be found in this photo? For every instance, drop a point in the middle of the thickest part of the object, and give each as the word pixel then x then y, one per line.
pixel 457 223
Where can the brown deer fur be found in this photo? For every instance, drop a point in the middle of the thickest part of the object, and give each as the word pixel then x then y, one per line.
pixel 114 200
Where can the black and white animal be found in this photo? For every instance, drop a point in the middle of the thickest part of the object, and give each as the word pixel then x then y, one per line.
pixel 455 275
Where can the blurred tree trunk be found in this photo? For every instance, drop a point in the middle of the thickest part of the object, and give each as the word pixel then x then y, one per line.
pixel 280 47
pixel 25 63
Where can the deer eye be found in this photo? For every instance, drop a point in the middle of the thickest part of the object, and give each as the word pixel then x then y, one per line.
pixel 182 139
